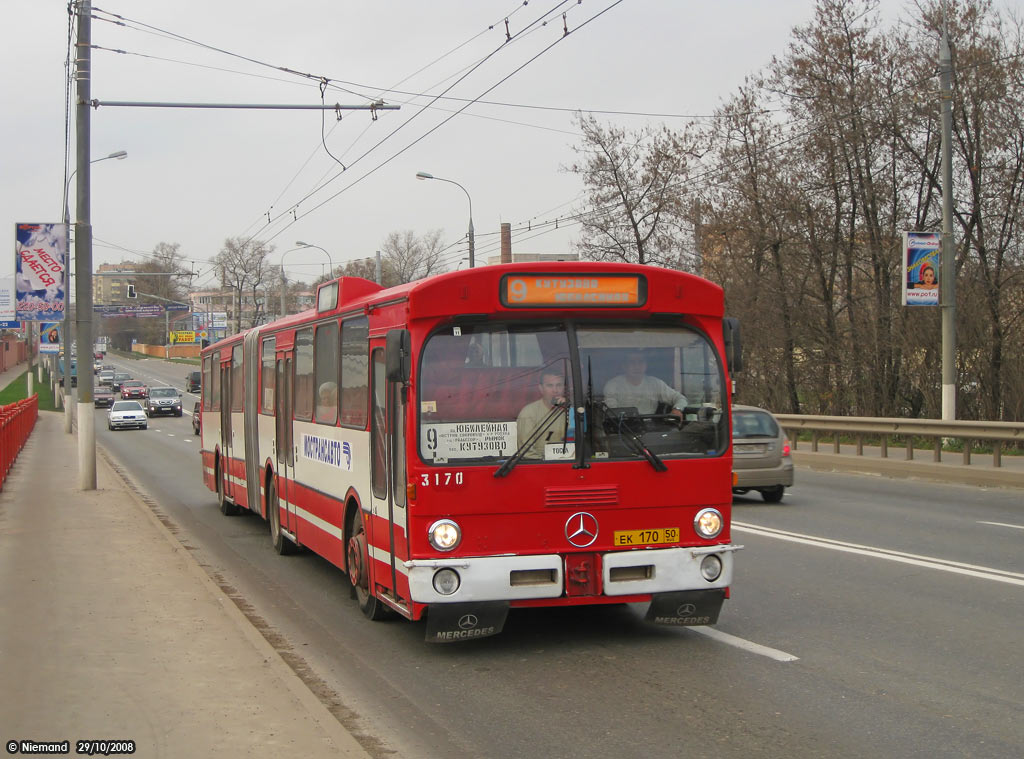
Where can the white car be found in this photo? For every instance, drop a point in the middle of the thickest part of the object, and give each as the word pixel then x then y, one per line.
pixel 127 414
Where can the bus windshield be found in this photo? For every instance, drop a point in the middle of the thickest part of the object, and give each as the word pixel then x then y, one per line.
pixel 564 392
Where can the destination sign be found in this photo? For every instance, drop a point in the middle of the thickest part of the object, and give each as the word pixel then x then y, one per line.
pixel 573 291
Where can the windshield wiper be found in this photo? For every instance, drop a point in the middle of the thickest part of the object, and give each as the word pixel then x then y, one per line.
pixel 633 440
pixel 516 457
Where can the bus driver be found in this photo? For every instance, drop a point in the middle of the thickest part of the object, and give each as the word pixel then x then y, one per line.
pixel 552 393
pixel 634 388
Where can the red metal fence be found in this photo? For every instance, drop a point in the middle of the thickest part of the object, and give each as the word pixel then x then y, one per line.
pixel 16 423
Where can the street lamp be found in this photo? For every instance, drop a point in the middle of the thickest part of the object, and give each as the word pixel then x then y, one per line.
pixel 307 245
pixel 70 392
pixel 472 250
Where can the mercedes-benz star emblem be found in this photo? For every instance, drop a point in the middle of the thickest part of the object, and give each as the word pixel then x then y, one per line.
pixel 468 621
pixel 581 529
pixel 686 610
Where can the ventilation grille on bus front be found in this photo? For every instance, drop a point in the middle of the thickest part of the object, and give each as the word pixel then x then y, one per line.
pixel 587 497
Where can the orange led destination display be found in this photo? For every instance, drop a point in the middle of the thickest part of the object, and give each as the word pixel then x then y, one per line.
pixel 568 291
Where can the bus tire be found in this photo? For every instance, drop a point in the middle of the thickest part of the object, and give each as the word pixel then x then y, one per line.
pixel 358 571
pixel 282 546
pixel 227 508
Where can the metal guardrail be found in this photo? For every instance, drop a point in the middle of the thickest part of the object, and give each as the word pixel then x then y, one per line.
pixel 859 427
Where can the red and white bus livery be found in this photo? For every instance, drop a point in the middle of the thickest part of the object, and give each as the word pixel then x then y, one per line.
pixel 509 436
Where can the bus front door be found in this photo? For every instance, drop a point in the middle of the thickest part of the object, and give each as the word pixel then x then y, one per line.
pixel 387 473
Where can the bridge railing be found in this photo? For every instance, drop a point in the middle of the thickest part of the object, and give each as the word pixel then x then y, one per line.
pixel 997 434
pixel 16 423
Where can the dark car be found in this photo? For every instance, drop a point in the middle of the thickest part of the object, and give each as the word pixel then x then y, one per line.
pixel 163 400
pixel 761 457
pixel 102 397
pixel 197 419
pixel 193 381
pixel 117 380
pixel 134 389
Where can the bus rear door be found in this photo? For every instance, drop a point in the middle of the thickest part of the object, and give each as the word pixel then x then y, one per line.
pixel 285 450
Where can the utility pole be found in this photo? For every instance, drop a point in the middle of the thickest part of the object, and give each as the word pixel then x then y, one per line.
pixel 83 247
pixel 947 279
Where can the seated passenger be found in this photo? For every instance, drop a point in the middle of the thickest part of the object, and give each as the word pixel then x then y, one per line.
pixel 327 403
pixel 535 414
pixel 635 388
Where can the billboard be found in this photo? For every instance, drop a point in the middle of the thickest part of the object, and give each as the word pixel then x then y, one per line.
pixel 49 337
pixel 41 256
pixel 921 268
pixel 7 299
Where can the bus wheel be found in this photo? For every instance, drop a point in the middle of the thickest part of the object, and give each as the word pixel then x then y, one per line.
pixel 282 545
pixel 358 571
pixel 227 508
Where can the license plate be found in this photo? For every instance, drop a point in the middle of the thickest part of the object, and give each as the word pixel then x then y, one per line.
pixel 659 536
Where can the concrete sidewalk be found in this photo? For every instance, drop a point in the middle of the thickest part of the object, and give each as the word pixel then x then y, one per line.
pixel 109 630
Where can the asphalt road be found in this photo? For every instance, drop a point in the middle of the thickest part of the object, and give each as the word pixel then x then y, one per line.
pixel 868 617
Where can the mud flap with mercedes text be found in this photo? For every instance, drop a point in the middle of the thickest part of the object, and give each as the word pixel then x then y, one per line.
pixel 686 607
pixel 451 623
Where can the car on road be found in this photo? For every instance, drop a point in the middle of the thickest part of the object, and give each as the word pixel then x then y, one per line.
pixel 134 389
pixel 105 377
pixel 193 381
pixel 119 379
pixel 102 397
pixel 163 400
pixel 197 419
pixel 761 456
pixel 125 415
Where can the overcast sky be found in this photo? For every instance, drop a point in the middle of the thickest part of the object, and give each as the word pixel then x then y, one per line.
pixel 197 177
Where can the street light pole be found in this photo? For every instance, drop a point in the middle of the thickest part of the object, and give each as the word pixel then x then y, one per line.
pixel 472 247
pixel 70 392
pixel 308 245
pixel 947 278
pixel 83 245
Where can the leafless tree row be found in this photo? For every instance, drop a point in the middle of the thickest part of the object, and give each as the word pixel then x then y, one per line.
pixel 796 197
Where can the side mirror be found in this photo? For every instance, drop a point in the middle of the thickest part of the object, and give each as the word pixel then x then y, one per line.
pixel 397 355
pixel 733 344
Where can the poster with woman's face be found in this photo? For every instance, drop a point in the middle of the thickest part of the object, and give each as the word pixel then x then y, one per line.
pixel 921 268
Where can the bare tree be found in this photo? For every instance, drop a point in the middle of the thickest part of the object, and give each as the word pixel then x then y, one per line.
pixel 408 256
pixel 635 184
pixel 242 267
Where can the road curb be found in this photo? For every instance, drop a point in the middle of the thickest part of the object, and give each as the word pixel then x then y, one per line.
pixel 345 742
pixel 976 475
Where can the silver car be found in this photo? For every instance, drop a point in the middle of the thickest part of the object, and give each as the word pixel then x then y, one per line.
pixel 163 400
pixel 760 453
pixel 125 415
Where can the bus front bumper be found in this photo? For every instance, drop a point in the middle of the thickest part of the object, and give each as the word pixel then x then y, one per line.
pixel 622 573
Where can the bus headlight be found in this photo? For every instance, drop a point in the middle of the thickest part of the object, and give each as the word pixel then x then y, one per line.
pixel 708 523
pixel 711 568
pixel 446 581
pixel 444 535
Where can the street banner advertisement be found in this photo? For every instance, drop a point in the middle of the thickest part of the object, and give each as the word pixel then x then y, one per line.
pixel 49 337
pixel 7 299
pixel 921 268
pixel 39 271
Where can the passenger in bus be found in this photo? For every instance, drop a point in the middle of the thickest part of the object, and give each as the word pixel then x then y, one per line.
pixel 634 388
pixel 327 402
pixel 533 415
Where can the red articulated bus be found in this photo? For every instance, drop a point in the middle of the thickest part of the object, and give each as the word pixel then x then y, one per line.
pixel 550 434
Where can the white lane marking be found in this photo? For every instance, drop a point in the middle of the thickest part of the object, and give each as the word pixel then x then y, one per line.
pixel 746 645
pixel 929 562
pixel 1003 524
